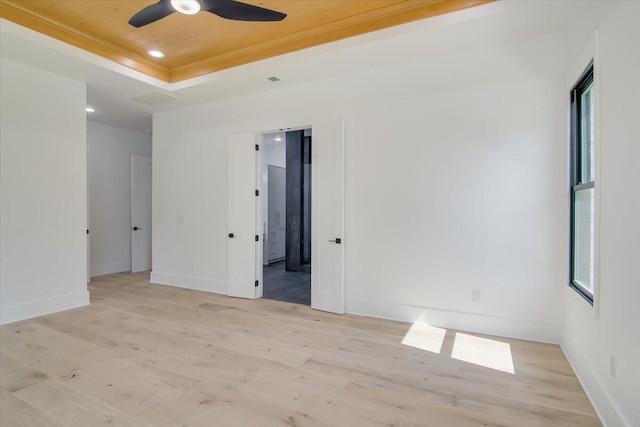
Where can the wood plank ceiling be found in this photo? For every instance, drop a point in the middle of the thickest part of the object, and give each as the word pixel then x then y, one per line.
pixel 195 45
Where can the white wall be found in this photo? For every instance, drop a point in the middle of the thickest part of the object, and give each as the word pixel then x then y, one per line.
pixel 110 150
pixel 455 180
pixel 43 204
pixel 592 336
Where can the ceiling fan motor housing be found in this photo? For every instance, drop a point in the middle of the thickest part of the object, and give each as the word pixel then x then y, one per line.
pixel 228 9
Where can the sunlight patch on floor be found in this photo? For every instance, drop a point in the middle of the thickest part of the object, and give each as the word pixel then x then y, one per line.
pixel 425 337
pixel 484 352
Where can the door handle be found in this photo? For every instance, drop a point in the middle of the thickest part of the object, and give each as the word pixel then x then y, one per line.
pixel 231 235
pixel 337 241
pixel 136 228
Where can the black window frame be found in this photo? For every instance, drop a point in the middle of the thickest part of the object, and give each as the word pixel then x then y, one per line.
pixel 585 81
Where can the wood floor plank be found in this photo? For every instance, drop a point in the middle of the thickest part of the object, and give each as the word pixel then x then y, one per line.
pixel 73 409
pixel 144 354
pixel 15 412
pixel 16 376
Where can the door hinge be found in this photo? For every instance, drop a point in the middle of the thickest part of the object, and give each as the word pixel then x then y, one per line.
pixel 257 192
pixel 256 283
pixel 257 147
pixel 257 238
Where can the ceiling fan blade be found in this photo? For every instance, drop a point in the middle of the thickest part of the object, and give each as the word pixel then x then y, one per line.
pixel 152 13
pixel 231 9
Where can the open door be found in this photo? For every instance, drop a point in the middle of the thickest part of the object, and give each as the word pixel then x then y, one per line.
pixel 140 213
pixel 327 217
pixel 244 263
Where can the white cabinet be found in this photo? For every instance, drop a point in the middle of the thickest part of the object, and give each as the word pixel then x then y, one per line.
pixel 276 224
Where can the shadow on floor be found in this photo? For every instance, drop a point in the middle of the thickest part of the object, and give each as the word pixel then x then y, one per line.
pixel 289 286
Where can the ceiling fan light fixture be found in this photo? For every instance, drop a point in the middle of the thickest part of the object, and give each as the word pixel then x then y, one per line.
pixel 188 7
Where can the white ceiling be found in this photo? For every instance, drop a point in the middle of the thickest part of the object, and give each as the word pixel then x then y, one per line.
pixel 110 85
pixel 273 138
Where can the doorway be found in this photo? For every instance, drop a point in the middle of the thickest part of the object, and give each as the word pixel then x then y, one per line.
pixel 286 213
pixel 246 230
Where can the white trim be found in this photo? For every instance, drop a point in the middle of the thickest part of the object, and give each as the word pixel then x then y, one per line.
pixel 531 330
pixel 604 404
pixel 259 290
pixel 188 282
pixel 28 310
pixel 114 267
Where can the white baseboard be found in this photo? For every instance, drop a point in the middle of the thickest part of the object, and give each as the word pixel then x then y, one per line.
pixel 115 267
pixel 479 323
pixel 188 282
pixel 605 406
pixel 14 313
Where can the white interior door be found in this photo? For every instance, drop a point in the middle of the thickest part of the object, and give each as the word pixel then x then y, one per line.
pixel 327 217
pixel 276 213
pixel 244 264
pixel 140 213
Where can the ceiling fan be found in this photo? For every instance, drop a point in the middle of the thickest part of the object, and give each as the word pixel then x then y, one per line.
pixel 229 9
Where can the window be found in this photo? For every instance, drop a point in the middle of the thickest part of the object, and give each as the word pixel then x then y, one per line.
pixel 583 180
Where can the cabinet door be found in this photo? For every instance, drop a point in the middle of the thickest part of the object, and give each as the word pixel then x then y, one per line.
pixel 276 209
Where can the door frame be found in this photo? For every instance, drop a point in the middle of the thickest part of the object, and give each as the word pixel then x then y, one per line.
pixel 88 218
pixel 316 160
pixel 262 200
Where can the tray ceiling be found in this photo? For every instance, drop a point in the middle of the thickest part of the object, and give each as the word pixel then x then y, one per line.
pixel 195 45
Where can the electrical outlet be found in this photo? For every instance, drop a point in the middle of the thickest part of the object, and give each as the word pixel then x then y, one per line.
pixel 181 219
pixel 613 367
pixel 192 265
pixel 475 295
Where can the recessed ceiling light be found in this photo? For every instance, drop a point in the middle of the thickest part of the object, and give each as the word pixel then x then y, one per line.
pixel 277 138
pixel 156 53
pixel 90 110
pixel 188 7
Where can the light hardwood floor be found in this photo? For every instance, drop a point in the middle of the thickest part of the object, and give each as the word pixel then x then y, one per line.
pixel 151 355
